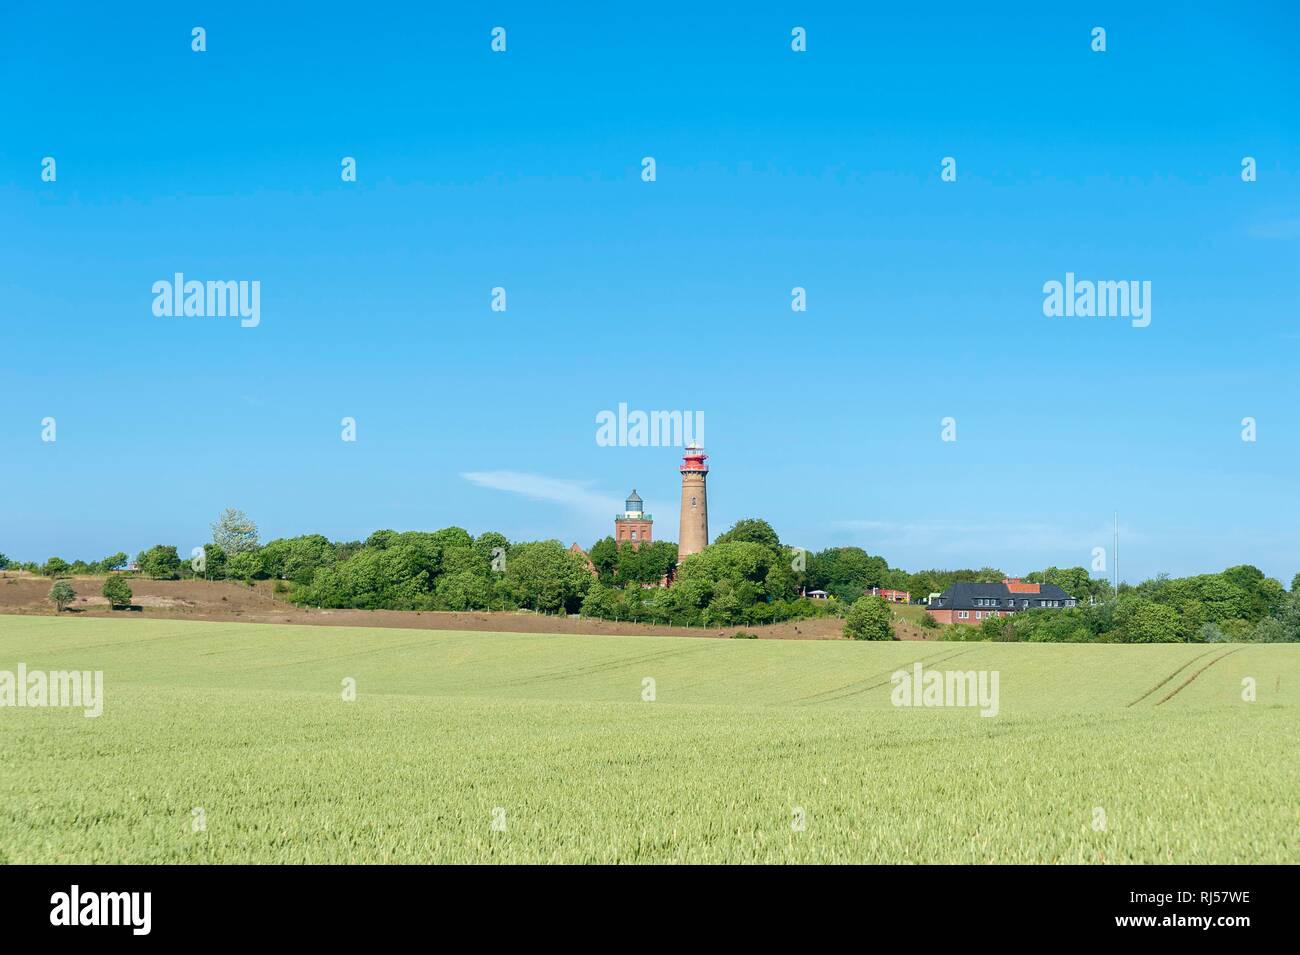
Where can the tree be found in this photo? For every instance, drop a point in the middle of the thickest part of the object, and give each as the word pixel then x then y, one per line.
pixel 297 558
pixel 110 563
pixel 604 557
pixel 161 562
pixel 491 548
pixel 62 594
pixel 546 576
pixel 1264 595
pixel 55 567
pixel 1219 598
pixel 214 562
pixel 450 537
pixel 735 561
pixel 463 590
pixel 639 564
pixel 118 592
pixel 234 533
pixel 869 619
pixel 244 565
pixel 751 530
pixel 1141 621
pixel 4 562
pixel 1075 581
pixel 846 572
pixel 601 601
pixel 922 584
pixel 396 577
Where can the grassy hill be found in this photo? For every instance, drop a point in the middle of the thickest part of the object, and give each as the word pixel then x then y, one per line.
pixel 247 722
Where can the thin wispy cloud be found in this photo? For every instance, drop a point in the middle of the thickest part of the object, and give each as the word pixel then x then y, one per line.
pixel 576 495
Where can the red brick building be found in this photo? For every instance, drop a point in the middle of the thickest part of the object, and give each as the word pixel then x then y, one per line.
pixel 893 596
pixel 634 526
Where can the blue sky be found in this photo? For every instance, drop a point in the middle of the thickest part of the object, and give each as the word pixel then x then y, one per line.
pixel 775 169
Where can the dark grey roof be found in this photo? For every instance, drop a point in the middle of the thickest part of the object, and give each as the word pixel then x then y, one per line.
pixel 634 496
pixel 962 596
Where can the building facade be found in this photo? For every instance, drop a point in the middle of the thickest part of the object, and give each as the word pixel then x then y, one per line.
pixel 971 603
pixel 634 526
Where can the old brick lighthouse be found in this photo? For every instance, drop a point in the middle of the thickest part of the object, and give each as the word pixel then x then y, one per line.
pixel 694 535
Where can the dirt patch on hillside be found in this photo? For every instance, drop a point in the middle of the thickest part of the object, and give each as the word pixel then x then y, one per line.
pixel 222 600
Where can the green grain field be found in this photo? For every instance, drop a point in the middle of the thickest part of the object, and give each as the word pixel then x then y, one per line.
pixel 550 737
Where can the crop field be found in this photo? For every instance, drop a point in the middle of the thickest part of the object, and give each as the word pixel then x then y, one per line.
pixel 235 743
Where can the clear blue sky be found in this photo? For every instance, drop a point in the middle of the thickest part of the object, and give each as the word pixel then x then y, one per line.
pixel 775 169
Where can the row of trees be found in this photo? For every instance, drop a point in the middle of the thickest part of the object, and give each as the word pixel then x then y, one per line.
pixel 446 570
pixel 57 567
pixel 747 576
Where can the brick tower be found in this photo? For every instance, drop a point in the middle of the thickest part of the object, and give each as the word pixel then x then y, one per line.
pixel 634 525
pixel 694 536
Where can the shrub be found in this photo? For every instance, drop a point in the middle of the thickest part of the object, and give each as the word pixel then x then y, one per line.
pixel 964 633
pixel 62 594
pixel 1210 633
pixel 869 619
pixel 928 621
pixel 1271 630
pixel 744 635
pixel 118 592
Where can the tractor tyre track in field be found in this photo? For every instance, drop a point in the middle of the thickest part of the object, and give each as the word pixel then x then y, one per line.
pixel 812 697
pixel 886 682
pixel 1176 691
pixel 1180 669
pixel 932 659
pixel 604 666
